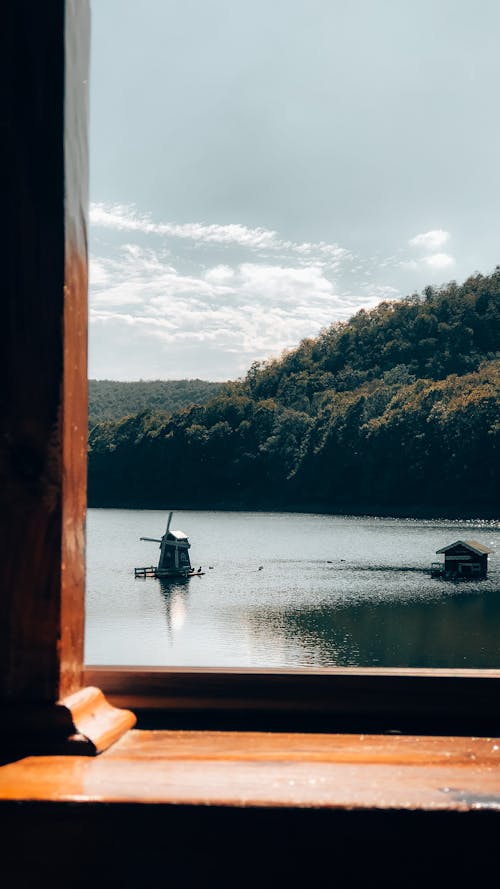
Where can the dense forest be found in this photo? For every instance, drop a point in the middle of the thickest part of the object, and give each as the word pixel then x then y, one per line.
pixel 396 409
pixel 112 400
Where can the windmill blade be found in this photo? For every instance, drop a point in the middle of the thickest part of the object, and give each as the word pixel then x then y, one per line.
pixel 153 539
pixel 169 520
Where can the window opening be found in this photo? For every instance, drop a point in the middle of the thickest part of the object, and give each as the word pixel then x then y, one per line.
pixel 260 174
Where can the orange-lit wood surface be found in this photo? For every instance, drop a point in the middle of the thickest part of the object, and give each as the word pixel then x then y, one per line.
pixel 269 770
pixel 95 720
pixel 83 724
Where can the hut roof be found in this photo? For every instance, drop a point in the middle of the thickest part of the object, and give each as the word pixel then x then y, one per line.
pixel 473 545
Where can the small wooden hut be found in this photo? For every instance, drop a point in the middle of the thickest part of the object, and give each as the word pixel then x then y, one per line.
pixel 463 559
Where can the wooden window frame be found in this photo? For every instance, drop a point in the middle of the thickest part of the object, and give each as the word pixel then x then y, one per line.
pixel 352 700
pixel 47 695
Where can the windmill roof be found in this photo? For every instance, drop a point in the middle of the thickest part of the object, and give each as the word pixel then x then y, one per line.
pixel 179 535
pixel 479 548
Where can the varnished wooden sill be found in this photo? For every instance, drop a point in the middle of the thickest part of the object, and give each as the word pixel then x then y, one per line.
pixel 250 769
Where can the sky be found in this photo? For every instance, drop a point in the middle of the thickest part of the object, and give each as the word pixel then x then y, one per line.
pixel 260 170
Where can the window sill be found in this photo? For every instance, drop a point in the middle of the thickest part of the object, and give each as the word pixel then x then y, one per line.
pixel 253 769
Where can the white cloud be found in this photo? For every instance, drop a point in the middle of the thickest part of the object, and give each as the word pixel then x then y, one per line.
pixel 97 272
pixel 278 283
pixel 383 291
pixel 138 276
pixel 124 218
pixel 432 261
pixel 219 273
pixel 327 251
pixel 439 260
pixel 430 240
pixel 162 308
pixel 249 310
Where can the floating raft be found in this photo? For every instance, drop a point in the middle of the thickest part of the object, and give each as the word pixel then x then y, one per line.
pixel 153 571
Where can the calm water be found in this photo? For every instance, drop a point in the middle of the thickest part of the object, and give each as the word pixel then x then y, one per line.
pixel 289 590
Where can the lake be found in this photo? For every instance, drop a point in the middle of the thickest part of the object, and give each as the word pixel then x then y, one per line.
pixel 288 590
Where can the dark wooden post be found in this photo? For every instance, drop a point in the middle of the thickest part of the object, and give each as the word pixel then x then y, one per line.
pixel 43 361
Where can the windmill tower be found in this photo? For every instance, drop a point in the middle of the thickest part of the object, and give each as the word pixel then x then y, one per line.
pixel 174 554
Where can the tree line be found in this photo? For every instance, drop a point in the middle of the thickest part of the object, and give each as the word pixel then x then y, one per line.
pixel 397 407
pixel 113 399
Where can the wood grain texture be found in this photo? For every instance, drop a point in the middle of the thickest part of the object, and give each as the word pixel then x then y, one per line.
pixel 83 724
pixel 43 355
pixel 94 719
pixel 270 770
pixel 307 748
pixel 74 389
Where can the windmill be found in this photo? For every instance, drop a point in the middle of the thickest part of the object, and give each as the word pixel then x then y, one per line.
pixel 174 555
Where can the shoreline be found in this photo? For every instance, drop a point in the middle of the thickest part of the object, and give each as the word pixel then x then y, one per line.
pixel 423 512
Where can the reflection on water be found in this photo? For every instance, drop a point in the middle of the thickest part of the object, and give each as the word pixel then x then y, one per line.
pixel 175 594
pixel 290 590
pixel 462 630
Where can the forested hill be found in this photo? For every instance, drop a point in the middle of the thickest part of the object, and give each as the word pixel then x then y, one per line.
pixel 112 400
pixel 396 408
